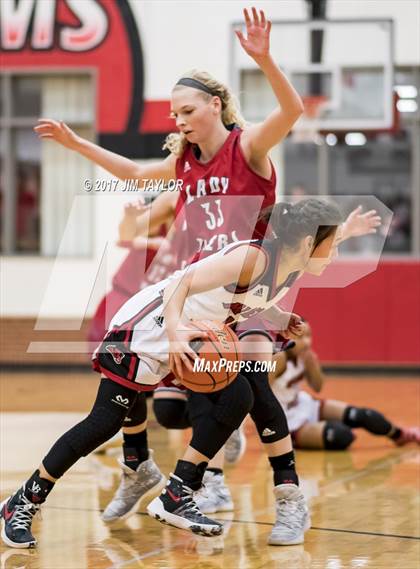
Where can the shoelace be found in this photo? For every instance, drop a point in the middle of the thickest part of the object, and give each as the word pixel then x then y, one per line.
pixel 189 503
pixel 286 510
pixel 24 513
pixel 128 485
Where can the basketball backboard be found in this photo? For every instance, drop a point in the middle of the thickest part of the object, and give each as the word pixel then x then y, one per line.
pixel 342 67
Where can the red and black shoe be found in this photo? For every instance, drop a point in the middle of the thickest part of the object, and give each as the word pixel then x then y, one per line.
pixel 176 506
pixel 17 513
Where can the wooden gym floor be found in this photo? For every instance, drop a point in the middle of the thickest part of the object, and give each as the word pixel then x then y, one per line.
pixel 364 503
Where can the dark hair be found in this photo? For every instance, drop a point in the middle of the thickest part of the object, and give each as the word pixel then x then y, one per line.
pixel 292 222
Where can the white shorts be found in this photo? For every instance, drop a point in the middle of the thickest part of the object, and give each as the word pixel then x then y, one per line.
pixel 306 409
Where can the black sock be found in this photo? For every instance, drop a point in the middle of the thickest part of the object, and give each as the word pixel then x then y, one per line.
pixel 215 470
pixel 396 433
pixel 284 469
pixel 37 488
pixel 135 449
pixel 191 474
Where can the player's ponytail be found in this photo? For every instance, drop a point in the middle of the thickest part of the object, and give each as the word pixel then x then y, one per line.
pixel 176 142
pixel 290 223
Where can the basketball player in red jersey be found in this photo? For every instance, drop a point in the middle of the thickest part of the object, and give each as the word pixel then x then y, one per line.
pixel 133 274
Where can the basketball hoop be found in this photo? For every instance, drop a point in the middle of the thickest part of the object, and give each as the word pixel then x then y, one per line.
pixel 306 129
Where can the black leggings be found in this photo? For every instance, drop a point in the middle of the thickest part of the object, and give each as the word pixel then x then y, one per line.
pixel 105 419
pixel 225 410
pixel 266 412
pixel 137 413
pixel 214 416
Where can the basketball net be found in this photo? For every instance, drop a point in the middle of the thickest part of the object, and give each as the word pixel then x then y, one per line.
pixel 307 131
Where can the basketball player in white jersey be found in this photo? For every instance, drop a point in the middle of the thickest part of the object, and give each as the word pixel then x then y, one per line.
pixel 227 177
pixel 324 423
pixel 150 335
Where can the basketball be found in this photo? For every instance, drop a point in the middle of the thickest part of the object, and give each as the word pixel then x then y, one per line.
pixel 218 358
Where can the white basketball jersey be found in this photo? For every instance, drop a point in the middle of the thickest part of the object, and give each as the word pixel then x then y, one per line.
pixel 143 313
pixel 286 387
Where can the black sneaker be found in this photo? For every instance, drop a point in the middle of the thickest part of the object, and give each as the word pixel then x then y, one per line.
pixel 17 513
pixel 175 506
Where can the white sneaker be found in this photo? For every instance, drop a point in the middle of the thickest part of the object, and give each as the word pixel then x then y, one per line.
pixel 214 496
pixel 235 446
pixel 135 485
pixel 292 516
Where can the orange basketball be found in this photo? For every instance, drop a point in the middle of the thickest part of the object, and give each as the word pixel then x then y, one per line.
pixel 218 363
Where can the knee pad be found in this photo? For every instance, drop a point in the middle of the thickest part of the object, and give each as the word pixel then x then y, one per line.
pixel 105 419
pixel 138 411
pixel 100 425
pixel 111 406
pixel 229 406
pixel 368 419
pixel 337 436
pixel 267 413
pixel 234 403
pixel 215 416
pixel 172 413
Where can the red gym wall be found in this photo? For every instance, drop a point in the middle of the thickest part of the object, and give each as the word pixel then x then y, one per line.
pixel 376 320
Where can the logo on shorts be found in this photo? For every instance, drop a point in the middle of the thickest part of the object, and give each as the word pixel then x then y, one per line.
pixel 259 292
pixel 159 320
pixel 120 400
pixel 187 166
pixel 267 432
pixel 117 355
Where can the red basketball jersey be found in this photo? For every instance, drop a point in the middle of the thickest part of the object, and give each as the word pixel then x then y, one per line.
pixel 220 201
pixel 133 271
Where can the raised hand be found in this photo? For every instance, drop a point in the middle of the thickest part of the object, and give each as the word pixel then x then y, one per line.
pixel 135 208
pixel 257 42
pixel 359 223
pixel 295 326
pixel 58 131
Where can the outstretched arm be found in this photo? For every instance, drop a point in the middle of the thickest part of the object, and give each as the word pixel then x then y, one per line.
pixel 143 220
pixel 117 165
pixel 358 223
pixel 289 325
pixel 260 138
pixel 128 224
pixel 161 211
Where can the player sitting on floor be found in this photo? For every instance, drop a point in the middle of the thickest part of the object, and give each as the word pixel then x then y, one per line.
pixel 324 424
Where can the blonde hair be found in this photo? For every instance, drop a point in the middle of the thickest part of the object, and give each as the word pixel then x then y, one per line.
pixel 176 142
